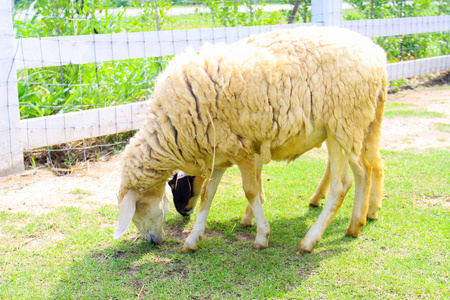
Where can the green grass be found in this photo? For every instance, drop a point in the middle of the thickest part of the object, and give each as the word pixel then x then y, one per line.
pixel 397 105
pixel 442 87
pixel 412 113
pixel 70 254
pixel 397 109
pixel 443 127
pixel 81 193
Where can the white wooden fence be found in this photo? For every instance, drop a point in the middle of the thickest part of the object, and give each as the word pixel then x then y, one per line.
pixel 17 135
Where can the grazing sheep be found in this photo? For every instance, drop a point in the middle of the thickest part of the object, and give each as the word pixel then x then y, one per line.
pixel 269 97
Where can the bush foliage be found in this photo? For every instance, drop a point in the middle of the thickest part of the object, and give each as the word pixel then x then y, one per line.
pixel 52 90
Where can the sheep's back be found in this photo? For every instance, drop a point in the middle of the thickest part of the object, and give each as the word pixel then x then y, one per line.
pixel 274 87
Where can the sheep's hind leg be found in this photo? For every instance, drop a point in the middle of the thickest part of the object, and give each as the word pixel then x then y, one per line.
pixel 323 188
pixel 248 216
pixel 207 195
pixel 340 184
pixel 363 177
pixel 372 154
pixel 376 192
pixel 252 188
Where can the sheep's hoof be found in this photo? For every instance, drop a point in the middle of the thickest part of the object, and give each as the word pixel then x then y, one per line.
pixel 259 246
pixel 246 223
pixel 303 251
pixel 261 241
pixel 303 248
pixel 315 200
pixel 353 232
pixel 372 216
pixel 247 220
pixel 187 249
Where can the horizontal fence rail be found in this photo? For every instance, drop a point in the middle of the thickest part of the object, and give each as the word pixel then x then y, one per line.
pixel 399 26
pixel 74 126
pixel 83 49
pixel 418 67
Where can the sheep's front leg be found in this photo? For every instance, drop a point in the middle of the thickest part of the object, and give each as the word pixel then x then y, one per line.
pixel 340 183
pixel 207 195
pixel 248 216
pixel 250 181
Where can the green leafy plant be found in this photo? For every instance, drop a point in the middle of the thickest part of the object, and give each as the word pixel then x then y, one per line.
pixel 227 13
pixel 153 14
pixel 405 47
pixel 382 9
pixel 73 17
pixel 53 90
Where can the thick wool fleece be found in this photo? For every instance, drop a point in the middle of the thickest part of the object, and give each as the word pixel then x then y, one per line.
pixel 266 94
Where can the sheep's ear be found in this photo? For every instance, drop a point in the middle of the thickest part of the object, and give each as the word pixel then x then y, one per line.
pixel 127 208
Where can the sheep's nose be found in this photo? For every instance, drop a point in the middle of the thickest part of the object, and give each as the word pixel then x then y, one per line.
pixel 154 239
pixel 187 212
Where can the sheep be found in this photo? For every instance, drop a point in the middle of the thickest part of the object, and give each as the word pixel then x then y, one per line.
pixel 272 96
pixel 185 204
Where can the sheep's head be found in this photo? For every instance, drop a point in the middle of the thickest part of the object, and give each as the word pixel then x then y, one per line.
pixel 147 210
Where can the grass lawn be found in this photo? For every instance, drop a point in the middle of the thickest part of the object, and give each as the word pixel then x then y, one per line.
pixel 412 113
pixel 443 127
pixel 70 254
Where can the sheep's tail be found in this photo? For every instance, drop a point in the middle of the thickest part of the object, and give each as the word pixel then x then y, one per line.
pixel 371 154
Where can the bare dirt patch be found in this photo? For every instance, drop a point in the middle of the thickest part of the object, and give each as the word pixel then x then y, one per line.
pixel 418 133
pixel 42 191
pixel 436 200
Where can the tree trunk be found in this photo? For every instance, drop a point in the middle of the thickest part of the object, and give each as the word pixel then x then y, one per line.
pixel 294 11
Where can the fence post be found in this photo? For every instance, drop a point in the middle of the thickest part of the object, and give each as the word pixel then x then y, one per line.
pixel 326 12
pixel 11 152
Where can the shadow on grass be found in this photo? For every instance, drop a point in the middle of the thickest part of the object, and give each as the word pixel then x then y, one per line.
pixel 224 266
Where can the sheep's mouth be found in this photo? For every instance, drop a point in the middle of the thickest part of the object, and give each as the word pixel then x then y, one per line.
pixel 186 212
pixel 153 239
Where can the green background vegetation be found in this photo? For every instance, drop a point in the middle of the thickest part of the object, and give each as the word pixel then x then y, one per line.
pixel 53 90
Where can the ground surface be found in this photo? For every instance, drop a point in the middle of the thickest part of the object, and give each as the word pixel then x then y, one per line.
pixel 42 191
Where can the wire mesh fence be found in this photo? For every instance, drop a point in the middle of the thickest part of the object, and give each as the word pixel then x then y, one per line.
pixel 80 66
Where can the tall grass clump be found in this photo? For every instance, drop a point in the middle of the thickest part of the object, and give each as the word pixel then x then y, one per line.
pixel 52 90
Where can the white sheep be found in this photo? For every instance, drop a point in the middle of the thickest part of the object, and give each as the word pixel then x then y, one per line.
pixel 269 97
